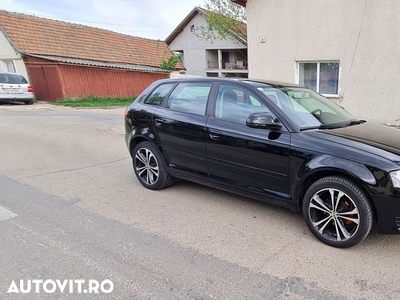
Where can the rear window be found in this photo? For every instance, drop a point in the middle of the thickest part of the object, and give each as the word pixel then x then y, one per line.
pixel 12 79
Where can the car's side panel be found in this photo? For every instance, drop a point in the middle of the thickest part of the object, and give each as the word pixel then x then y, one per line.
pixel 310 157
pixel 183 138
pixel 255 160
pixel 138 124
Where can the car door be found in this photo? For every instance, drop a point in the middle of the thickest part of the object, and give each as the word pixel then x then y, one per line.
pixel 180 124
pixel 249 159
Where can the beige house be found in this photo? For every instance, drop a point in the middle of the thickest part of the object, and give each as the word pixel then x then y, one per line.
pixel 10 60
pixel 348 50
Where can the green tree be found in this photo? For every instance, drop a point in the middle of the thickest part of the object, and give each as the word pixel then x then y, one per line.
pixel 171 62
pixel 225 20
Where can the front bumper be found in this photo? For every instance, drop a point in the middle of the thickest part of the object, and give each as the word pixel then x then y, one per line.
pixel 388 213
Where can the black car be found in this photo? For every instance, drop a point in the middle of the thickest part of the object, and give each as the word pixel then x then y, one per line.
pixel 272 141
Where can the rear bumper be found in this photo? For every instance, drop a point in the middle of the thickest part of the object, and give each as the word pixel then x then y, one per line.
pixel 388 213
pixel 16 97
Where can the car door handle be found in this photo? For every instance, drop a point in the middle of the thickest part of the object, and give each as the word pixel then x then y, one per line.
pixel 214 135
pixel 159 122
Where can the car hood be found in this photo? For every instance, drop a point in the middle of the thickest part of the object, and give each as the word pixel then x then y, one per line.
pixel 375 135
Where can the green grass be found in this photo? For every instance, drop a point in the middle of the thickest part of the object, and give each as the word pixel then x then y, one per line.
pixel 93 101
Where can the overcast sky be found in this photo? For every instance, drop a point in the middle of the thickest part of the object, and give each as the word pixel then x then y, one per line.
pixel 154 19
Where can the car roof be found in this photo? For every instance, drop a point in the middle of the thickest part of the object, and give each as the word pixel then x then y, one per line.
pixel 253 82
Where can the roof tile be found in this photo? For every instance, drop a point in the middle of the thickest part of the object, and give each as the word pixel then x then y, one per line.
pixel 41 36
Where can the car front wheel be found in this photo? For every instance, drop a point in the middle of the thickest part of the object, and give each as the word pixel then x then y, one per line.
pixel 337 212
pixel 149 167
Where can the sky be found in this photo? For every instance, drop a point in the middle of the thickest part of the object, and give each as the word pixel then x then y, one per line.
pixel 154 19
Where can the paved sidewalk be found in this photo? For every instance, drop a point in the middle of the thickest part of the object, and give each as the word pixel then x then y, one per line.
pixel 48 106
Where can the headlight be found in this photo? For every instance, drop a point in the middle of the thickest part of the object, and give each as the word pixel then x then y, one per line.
pixel 395 175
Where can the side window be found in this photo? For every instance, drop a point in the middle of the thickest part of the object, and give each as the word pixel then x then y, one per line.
pixel 159 94
pixel 235 104
pixel 190 98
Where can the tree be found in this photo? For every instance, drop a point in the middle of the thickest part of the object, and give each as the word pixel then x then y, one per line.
pixel 225 19
pixel 171 62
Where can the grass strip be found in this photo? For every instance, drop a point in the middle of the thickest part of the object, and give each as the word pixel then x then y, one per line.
pixel 93 101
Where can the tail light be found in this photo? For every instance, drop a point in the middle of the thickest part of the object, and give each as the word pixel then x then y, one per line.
pixel 30 89
pixel 126 113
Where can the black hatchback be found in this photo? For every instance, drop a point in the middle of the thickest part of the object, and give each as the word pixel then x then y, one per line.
pixel 271 141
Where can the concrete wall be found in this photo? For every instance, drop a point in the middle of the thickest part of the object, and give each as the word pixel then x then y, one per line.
pixel 363 35
pixel 8 53
pixel 194 47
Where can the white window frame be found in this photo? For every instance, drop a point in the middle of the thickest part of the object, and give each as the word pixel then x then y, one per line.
pixel 319 62
pixel 5 65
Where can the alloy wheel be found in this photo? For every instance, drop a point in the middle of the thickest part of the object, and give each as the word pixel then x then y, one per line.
pixel 146 166
pixel 334 214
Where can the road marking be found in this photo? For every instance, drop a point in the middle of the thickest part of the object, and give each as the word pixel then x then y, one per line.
pixel 5 214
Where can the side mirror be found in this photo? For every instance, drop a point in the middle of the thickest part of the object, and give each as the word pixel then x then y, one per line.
pixel 262 120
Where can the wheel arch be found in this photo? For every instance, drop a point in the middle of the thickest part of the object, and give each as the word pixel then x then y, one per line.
pixel 142 138
pixel 322 172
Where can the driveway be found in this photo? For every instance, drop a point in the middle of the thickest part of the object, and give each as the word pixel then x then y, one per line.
pixel 73 209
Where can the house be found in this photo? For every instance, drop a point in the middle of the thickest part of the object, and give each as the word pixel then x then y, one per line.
pixel 204 57
pixel 65 60
pixel 346 50
pixel 10 60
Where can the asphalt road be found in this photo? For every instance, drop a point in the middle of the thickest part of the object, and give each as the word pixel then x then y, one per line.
pixel 71 208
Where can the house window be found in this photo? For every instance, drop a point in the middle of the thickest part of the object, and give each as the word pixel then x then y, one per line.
pixel 321 77
pixel 179 54
pixel 9 66
pixel 212 74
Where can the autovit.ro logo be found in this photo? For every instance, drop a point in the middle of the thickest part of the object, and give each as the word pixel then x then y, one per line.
pixel 70 286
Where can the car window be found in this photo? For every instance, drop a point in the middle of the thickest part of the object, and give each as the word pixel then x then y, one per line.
pixel 190 97
pixel 235 104
pixel 158 95
pixel 273 97
pixel 307 108
pixel 12 79
pixel 309 104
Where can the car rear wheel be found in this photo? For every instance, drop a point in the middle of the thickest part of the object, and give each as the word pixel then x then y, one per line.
pixel 150 168
pixel 337 212
pixel 28 102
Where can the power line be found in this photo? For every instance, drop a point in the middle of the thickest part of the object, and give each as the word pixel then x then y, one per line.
pixel 102 23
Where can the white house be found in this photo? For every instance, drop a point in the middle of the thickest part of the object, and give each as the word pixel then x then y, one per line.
pixel 202 57
pixel 348 50
pixel 10 59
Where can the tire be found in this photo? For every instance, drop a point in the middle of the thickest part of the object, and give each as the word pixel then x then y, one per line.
pixel 149 167
pixel 28 102
pixel 343 222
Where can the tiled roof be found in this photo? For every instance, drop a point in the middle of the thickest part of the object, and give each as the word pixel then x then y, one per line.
pixel 40 36
pixel 101 64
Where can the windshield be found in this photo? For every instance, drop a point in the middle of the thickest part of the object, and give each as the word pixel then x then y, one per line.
pixel 306 108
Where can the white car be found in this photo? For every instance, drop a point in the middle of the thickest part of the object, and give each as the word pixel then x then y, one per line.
pixel 15 88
